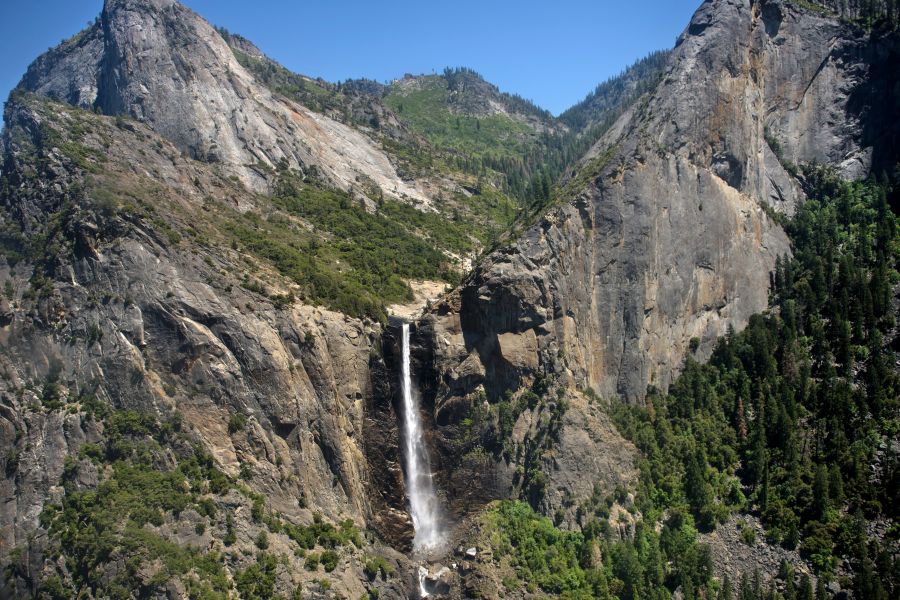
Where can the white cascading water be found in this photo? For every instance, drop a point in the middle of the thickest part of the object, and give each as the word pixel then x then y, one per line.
pixel 423 504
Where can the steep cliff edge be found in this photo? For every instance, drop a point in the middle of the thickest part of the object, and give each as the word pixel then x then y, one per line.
pixel 666 232
pixel 663 235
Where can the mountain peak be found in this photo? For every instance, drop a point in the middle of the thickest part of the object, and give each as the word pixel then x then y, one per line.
pixel 160 63
pixel 111 6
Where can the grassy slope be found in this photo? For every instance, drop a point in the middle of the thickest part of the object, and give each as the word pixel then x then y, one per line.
pixel 426 109
pixel 326 243
pixel 466 223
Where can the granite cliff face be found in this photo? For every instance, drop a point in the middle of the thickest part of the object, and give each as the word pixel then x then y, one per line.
pixel 664 235
pixel 128 317
pixel 162 64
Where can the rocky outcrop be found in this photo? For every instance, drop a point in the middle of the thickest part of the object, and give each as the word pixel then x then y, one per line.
pixel 107 305
pixel 557 448
pixel 738 546
pixel 665 235
pixel 159 62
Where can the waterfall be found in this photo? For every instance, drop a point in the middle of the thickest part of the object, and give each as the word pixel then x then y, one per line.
pixel 423 504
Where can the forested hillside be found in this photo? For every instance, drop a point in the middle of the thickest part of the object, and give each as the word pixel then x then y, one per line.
pixel 599 109
pixel 796 417
pixel 877 13
pixel 521 148
pixel 793 420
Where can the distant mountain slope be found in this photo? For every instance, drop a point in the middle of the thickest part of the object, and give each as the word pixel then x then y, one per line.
pixel 609 99
pixel 481 130
pixel 161 63
pixel 460 112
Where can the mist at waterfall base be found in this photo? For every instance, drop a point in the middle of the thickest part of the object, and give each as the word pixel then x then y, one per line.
pixel 423 503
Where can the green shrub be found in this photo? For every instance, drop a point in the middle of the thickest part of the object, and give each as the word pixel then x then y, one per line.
pixel 376 565
pixel 546 555
pixel 206 507
pixel 236 422
pixel 257 509
pixel 329 560
pixel 257 582
pixel 312 562
pixel 230 536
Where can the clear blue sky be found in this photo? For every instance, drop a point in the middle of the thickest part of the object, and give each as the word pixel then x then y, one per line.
pixel 551 52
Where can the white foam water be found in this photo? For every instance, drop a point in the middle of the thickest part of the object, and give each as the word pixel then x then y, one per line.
pixel 423 504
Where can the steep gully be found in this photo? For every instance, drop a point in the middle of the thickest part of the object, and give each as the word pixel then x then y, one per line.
pixel 414 510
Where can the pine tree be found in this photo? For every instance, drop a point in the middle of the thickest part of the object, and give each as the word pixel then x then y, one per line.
pixel 759 455
pixel 805 591
pixel 835 485
pixel 843 353
pixel 821 592
pixel 790 591
pixel 697 489
pixel 757 585
pixel 741 421
pixel 764 490
pixel 820 492
pixel 779 276
pixel 866 583
pixel 725 593
pixel 746 592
